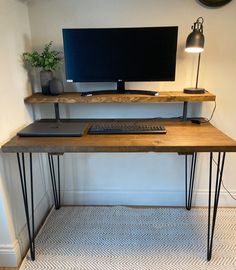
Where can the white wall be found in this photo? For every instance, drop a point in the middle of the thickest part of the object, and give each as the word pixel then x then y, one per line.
pixel 14 87
pixel 145 178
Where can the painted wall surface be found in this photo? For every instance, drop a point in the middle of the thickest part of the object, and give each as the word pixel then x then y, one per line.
pixel 146 178
pixel 14 87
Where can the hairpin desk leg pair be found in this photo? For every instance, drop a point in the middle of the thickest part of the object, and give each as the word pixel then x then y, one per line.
pixel 55 187
pixel 55 184
pixel 218 181
pixel 189 186
pixel 189 192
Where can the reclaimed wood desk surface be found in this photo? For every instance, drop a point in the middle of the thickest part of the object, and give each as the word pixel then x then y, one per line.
pixel 181 137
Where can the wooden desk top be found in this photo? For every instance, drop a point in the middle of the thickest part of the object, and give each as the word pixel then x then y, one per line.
pixel 75 97
pixel 181 137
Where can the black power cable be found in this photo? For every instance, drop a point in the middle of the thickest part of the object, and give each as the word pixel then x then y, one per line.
pixel 199 121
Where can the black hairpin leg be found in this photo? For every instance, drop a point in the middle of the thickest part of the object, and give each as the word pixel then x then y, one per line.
pixel 189 184
pixel 185 110
pixel 23 178
pixel 55 184
pixel 211 225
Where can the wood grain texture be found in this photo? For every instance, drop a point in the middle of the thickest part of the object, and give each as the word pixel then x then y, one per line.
pixel 9 268
pixel 181 137
pixel 75 97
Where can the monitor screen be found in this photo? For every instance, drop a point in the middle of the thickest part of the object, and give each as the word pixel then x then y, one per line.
pixel 114 54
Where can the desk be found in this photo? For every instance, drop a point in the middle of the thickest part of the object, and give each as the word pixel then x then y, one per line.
pixel 182 137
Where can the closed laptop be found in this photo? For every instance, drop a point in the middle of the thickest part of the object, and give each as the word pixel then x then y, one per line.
pixel 54 129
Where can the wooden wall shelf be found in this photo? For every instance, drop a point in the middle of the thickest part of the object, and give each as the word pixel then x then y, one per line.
pixel 75 97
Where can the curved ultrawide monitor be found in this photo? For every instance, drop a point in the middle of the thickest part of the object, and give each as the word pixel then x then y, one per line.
pixel 115 54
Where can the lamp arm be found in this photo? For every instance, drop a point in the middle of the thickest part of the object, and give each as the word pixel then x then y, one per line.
pixel 198 66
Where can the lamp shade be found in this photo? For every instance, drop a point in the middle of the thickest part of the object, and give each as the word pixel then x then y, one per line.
pixel 195 40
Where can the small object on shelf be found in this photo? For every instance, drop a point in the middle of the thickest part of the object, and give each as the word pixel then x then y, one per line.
pixel 193 90
pixel 45 77
pixel 195 44
pixel 56 87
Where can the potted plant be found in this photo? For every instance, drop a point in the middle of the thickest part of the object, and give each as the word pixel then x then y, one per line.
pixel 47 61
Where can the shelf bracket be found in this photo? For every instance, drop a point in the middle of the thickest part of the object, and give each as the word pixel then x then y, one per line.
pixel 57 112
pixel 185 110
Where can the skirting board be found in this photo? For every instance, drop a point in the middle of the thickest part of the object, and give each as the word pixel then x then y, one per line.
pixel 41 211
pixel 10 255
pixel 149 198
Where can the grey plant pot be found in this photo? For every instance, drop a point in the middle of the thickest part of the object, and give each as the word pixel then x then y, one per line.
pixel 56 87
pixel 45 78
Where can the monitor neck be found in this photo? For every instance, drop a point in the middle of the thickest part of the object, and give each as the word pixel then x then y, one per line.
pixel 120 86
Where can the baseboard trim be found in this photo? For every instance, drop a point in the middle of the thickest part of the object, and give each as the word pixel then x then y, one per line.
pixel 149 198
pixel 10 255
pixel 40 212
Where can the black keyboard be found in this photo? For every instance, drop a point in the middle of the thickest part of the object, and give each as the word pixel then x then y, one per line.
pixel 119 128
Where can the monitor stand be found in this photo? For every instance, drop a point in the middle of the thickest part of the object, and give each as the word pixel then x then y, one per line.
pixel 120 90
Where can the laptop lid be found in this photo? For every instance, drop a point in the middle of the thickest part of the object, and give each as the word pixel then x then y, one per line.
pixel 54 129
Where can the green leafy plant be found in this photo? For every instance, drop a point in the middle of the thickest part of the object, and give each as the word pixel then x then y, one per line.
pixel 47 60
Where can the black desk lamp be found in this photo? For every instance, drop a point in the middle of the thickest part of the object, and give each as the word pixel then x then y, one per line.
pixel 195 44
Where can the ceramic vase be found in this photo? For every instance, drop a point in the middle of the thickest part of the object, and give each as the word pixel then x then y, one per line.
pixel 45 77
pixel 56 87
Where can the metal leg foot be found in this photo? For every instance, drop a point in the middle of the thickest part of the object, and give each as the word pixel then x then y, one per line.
pixel 55 184
pixel 23 178
pixel 189 186
pixel 211 223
